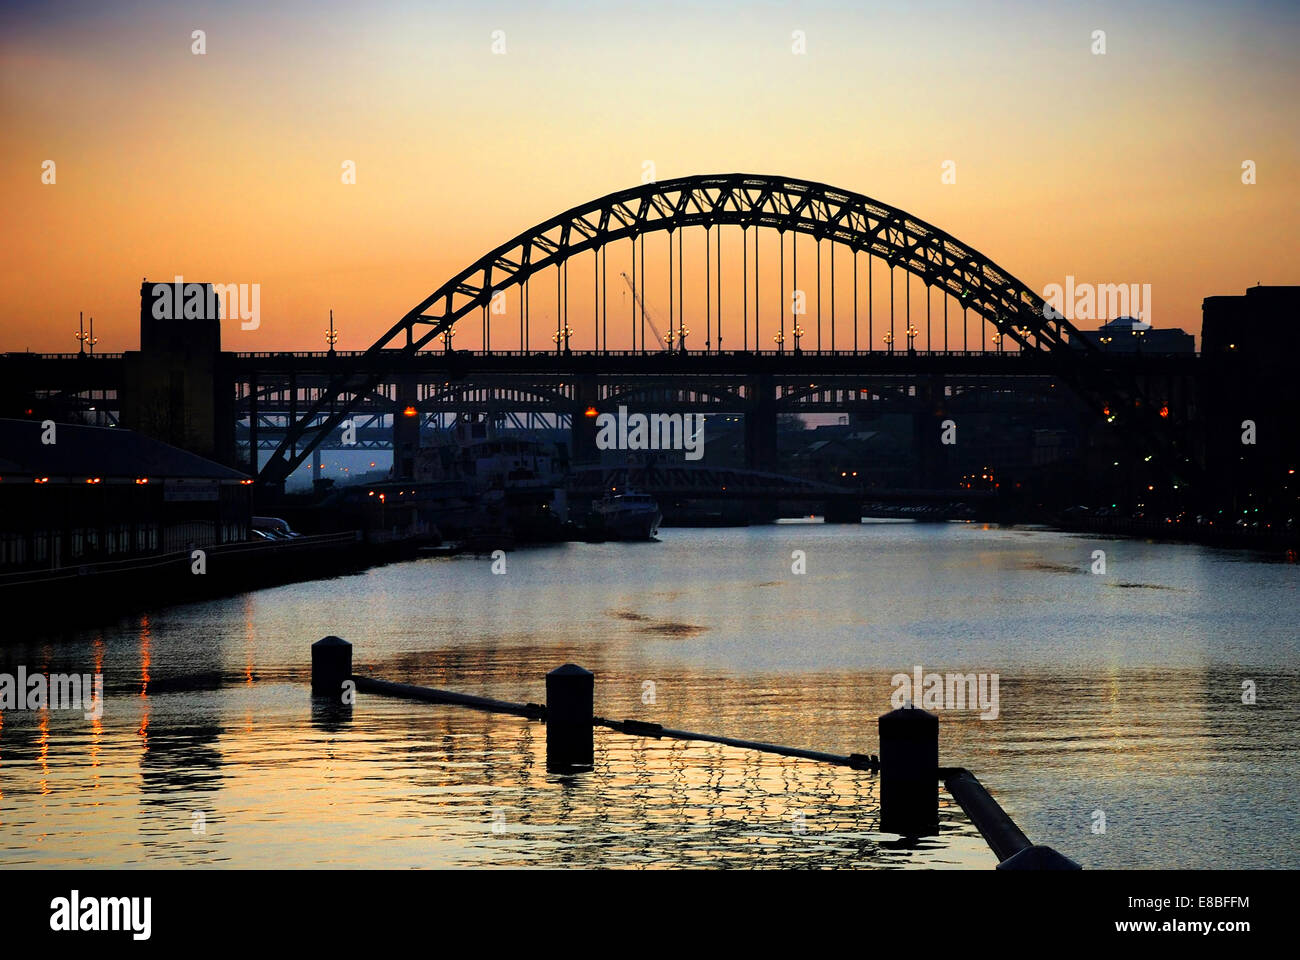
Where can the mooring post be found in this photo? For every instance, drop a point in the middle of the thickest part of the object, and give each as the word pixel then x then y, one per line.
pixel 331 666
pixel 570 696
pixel 909 772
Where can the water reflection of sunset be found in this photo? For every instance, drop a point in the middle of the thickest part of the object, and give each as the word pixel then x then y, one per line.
pixel 1109 702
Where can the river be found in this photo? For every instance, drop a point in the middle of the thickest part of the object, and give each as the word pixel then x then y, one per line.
pixel 1121 736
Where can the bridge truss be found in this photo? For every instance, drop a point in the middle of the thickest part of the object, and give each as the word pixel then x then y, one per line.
pixel 864 228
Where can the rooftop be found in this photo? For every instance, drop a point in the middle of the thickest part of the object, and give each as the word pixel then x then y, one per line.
pixel 107 452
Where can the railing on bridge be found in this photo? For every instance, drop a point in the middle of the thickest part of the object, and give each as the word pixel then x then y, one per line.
pixel 28 355
pixel 1135 357
pixel 435 353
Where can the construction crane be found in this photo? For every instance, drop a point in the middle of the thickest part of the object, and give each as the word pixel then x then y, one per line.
pixel 644 309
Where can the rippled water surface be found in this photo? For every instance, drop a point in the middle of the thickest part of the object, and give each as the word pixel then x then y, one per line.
pixel 1120 704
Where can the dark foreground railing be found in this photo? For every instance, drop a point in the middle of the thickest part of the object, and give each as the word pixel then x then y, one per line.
pixel 908 764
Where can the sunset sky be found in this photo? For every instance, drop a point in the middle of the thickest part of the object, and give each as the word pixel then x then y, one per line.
pixel 226 167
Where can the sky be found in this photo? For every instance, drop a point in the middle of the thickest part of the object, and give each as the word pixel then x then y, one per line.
pixel 225 166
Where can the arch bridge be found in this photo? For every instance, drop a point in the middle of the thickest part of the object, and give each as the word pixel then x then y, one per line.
pixel 723 321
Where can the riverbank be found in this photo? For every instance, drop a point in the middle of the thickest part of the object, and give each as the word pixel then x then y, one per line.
pixel 1279 542
pixel 42 602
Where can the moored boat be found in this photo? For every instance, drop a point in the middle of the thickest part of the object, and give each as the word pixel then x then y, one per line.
pixel 627 516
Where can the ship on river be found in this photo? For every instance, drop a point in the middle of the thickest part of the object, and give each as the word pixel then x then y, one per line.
pixel 627 516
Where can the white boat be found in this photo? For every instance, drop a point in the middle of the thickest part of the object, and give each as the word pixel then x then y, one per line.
pixel 627 516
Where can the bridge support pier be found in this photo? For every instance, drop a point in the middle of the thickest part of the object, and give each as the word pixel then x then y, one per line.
pixel 582 429
pixel 761 451
pixel 843 510
pixel 252 424
pixel 933 456
pixel 178 387
pixel 406 429
pixel 760 424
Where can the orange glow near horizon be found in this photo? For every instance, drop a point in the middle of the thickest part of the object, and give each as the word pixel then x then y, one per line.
pixel 228 166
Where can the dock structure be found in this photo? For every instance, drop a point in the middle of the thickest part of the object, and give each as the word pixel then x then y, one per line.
pixel 908 763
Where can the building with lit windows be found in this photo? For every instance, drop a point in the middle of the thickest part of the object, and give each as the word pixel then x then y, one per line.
pixel 1130 335
pixel 73 495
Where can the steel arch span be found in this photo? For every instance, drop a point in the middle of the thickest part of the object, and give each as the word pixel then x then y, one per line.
pixel 745 200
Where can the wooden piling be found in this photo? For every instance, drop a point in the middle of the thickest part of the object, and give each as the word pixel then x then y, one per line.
pixel 570 696
pixel 909 772
pixel 331 666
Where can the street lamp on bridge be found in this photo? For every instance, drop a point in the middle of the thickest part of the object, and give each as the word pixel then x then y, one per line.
pixel 562 335
pixel 911 337
pixel 446 339
pixel 678 336
pixel 997 340
pixel 779 338
pixel 798 335
pixel 889 340
pixel 87 339
pixel 331 335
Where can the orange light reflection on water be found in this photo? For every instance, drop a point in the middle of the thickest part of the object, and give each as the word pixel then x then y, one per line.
pixel 145 660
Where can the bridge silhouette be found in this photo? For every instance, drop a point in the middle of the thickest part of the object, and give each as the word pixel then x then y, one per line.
pixel 853 357
pixel 1008 311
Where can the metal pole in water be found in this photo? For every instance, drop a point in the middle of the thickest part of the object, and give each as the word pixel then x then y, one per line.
pixel 331 666
pixel 570 695
pixel 909 772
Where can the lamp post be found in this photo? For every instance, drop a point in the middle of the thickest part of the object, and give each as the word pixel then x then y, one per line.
pixel 997 340
pixel 889 341
pixel 779 338
pixel 446 339
pixel 331 335
pixel 798 335
pixel 911 337
pixel 81 334
pixel 562 336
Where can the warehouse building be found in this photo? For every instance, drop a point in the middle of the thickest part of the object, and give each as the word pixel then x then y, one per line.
pixel 73 495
